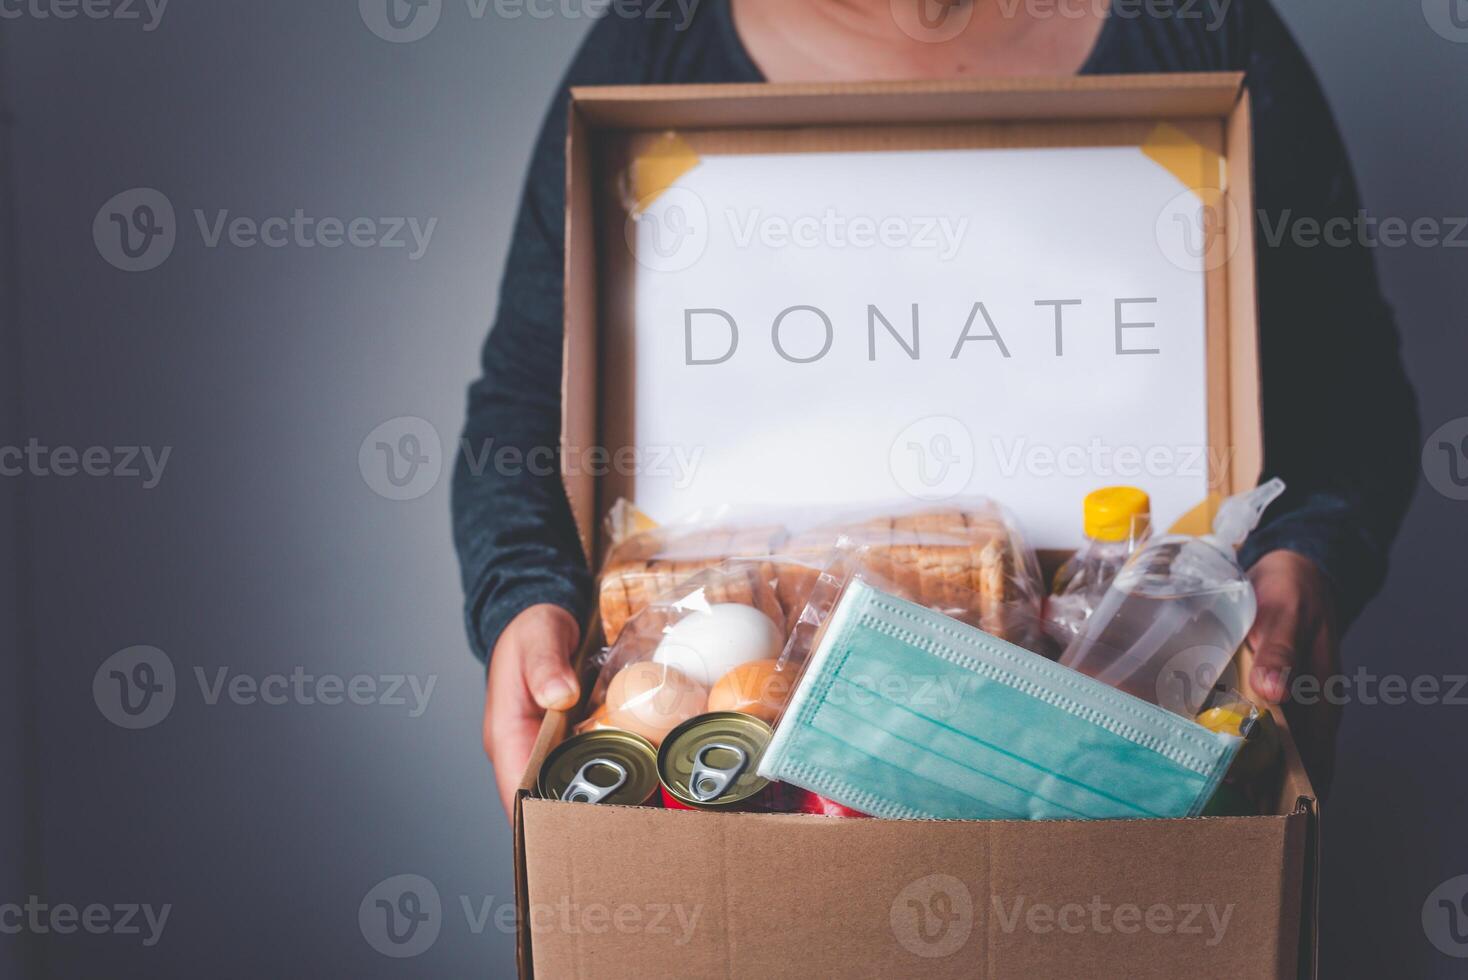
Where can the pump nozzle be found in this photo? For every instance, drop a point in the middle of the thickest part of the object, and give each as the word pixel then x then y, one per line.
pixel 1240 514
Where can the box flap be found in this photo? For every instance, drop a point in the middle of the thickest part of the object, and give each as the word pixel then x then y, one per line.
pixel 619 136
pixel 906 103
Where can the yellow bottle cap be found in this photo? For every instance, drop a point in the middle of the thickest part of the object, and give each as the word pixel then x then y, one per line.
pixel 1227 720
pixel 1115 513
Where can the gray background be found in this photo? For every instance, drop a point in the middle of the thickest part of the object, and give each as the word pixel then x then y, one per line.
pixel 263 549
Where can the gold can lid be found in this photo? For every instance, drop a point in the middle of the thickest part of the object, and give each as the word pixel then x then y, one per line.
pixel 710 760
pixel 604 766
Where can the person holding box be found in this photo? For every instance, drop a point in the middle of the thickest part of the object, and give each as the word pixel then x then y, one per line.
pixel 1340 417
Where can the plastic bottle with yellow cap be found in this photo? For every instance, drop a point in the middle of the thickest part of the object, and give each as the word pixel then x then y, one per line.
pixel 1115 522
pixel 1174 615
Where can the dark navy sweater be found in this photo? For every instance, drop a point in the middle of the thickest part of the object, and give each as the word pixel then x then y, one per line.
pixel 1340 418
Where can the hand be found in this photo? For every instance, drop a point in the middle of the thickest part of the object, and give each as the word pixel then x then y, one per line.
pixel 529 673
pixel 1295 633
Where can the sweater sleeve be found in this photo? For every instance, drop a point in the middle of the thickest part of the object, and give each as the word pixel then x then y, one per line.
pixel 512 523
pixel 1341 425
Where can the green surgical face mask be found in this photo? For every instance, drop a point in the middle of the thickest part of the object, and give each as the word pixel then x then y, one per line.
pixel 904 712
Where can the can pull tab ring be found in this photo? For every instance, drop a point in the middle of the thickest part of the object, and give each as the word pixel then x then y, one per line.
pixel 582 790
pixel 707 781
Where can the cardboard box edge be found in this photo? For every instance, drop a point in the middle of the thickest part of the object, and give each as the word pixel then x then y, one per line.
pixel 1221 81
pixel 579 335
pixel 598 97
pixel 524 965
pixel 714 106
pixel 1291 837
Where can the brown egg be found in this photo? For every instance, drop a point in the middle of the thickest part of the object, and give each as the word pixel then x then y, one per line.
pixel 653 699
pixel 755 688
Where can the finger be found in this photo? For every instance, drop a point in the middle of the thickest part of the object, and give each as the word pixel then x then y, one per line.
pixel 548 674
pixel 514 739
pixel 511 722
pixel 529 671
pixel 1274 638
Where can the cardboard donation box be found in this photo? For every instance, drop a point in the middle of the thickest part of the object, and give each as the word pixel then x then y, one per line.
pixel 847 295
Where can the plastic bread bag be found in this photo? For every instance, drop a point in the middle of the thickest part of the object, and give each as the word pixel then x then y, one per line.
pixel 711 642
pixel 941 554
pixel 966 559
pixel 901 710
pixel 1012 610
pixel 646 561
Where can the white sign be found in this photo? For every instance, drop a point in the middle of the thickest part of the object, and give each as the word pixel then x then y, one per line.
pixel 859 328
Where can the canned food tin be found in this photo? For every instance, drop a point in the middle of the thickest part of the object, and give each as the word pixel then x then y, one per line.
pixel 709 762
pixel 606 766
pixel 793 799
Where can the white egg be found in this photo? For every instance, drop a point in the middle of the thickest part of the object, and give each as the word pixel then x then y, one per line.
pixel 707 645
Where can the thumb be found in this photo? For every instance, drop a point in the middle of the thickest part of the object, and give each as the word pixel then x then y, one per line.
pixel 1275 653
pixel 548 674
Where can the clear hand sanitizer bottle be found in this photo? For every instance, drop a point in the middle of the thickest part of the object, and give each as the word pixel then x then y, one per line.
pixel 1176 612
